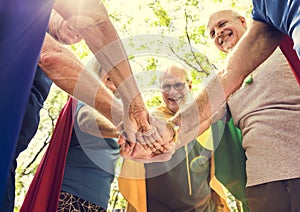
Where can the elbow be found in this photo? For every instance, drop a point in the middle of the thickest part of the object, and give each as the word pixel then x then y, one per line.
pixel 51 53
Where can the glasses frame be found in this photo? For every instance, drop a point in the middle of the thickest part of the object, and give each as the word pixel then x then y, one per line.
pixel 179 86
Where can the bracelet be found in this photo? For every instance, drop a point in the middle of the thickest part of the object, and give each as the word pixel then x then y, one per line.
pixel 175 130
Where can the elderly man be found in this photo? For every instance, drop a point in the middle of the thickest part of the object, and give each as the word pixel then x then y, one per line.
pixel 177 174
pixel 182 172
pixel 260 112
pixel 257 44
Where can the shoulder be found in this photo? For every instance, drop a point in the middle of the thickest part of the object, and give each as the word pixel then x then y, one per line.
pixel 257 11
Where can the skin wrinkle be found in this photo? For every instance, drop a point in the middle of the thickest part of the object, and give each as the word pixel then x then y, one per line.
pixel 102 39
pixel 53 56
pixel 259 41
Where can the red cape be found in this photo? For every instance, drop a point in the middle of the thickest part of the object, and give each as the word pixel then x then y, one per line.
pixel 44 189
pixel 286 47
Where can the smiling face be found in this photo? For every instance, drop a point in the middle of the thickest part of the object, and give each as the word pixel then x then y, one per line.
pixel 175 87
pixel 226 28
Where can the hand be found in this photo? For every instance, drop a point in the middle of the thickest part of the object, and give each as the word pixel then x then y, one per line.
pixel 158 135
pixel 138 128
pixel 158 156
pixel 132 150
pixel 137 152
pixel 167 134
pixel 61 30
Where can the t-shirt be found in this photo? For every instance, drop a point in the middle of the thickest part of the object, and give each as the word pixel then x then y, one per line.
pixel 267 111
pixel 170 190
pixel 38 94
pixel 283 14
pixel 179 184
pixel 90 166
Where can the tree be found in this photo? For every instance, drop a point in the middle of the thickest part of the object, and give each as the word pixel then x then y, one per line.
pixel 180 21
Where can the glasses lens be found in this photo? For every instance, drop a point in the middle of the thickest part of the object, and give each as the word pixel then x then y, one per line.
pixel 166 87
pixel 177 86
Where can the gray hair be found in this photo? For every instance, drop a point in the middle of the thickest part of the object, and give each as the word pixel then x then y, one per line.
pixel 94 67
pixel 167 70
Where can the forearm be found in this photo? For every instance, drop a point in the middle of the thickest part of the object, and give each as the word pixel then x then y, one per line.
pixel 68 73
pixel 92 22
pixel 208 107
pixel 60 65
pixel 190 123
pixel 253 49
pixel 111 55
pixel 258 43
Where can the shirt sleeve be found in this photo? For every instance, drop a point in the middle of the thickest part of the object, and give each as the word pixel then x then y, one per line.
pixel 79 106
pixel 256 13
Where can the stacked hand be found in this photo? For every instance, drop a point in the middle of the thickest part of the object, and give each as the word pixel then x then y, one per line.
pixel 145 138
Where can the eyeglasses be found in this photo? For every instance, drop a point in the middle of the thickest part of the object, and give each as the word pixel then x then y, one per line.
pixel 177 86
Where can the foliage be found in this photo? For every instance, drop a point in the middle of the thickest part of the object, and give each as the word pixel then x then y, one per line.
pixel 30 158
pixel 184 20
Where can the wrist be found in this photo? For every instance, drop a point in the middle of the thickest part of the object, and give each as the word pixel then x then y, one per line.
pixel 175 130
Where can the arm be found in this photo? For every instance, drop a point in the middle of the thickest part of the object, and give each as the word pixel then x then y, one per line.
pixel 90 19
pixel 140 154
pixel 59 29
pixel 255 47
pixel 68 73
pixel 94 123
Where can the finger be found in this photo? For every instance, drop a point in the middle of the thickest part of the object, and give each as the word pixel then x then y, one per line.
pixel 153 140
pixel 129 132
pixel 165 133
pixel 152 136
pixel 156 158
pixel 140 138
pixel 130 136
pixel 159 124
pixel 157 137
pixel 157 152
pixel 128 146
pixel 121 140
pixel 148 145
pixel 139 151
pixel 169 147
pixel 152 147
pixel 144 160
pixel 162 157
pixel 155 134
pixel 136 151
pixel 148 140
pixel 123 153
